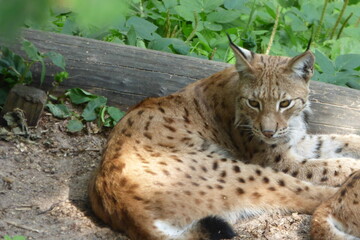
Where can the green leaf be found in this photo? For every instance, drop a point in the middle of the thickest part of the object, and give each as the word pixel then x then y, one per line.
pixel 353 84
pixel 159 6
pixel 203 40
pixel 131 36
pixel 352 32
pixel 6 53
pixel 57 59
pixel 89 113
pixel 342 78
pixel 268 6
pixel 59 110
pixel 212 26
pixel 223 16
pixel 347 61
pixel 53 98
pixel 180 47
pixel 61 76
pixel 108 122
pixel 287 3
pixel 31 51
pixel 142 27
pixel 167 44
pixel 140 43
pixel 238 4
pixel 325 64
pixel 344 45
pixel 295 23
pixel 192 5
pixel 74 126
pixel 115 113
pixel 4 63
pixel 310 11
pixel 19 65
pixel 211 5
pixel 170 3
pixel 70 26
pixel 325 77
pixel 79 96
pixel 185 13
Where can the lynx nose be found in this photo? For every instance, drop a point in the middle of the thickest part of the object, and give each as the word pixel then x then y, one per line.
pixel 268 133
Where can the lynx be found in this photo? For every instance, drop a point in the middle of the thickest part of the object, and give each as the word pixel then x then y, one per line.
pixel 188 165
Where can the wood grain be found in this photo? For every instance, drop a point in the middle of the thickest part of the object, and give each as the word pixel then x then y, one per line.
pixel 127 74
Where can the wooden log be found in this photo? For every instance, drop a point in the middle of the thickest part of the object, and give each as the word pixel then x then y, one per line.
pixel 29 99
pixel 127 74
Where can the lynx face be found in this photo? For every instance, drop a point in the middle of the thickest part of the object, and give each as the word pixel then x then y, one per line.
pixel 273 93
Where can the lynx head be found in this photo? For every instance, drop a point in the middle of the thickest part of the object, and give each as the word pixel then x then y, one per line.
pixel 273 93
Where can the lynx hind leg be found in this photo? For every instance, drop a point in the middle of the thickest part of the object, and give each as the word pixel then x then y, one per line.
pixel 140 224
pixel 208 228
pixel 338 217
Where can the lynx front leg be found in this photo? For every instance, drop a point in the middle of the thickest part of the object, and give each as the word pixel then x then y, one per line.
pixel 338 218
pixel 321 159
pixel 332 172
pixel 329 146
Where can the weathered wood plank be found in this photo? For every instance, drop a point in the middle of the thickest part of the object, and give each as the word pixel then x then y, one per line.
pixel 128 74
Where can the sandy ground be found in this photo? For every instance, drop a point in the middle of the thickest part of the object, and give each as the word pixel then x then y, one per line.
pixel 43 190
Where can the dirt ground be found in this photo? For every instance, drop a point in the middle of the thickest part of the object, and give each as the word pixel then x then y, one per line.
pixel 43 190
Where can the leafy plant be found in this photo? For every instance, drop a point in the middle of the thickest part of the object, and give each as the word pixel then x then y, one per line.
pixel 35 56
pixel 17 70
pixel 197 27
pixel 343 71
pixel 94 109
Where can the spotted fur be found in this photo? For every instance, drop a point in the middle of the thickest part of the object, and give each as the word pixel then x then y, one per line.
pixel 231 145
pixel 338 218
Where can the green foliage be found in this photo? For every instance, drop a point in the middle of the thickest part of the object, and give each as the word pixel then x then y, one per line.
pixel 94 109
pixel 16 70
pixel 197 27
pixel 13 69
pixel 343 71
pixel 7 237
pixel 74 125
pixel 59 110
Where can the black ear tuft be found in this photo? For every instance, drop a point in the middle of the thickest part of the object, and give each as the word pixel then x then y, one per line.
pixel 216 228
pixel 238 49
pixel 243 57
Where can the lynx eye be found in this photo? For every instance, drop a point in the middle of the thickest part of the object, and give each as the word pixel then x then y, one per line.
pixel 285 103
pixel 254 104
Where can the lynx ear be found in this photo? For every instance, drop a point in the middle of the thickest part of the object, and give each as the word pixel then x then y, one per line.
pixel 243 57
pixel 302 65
